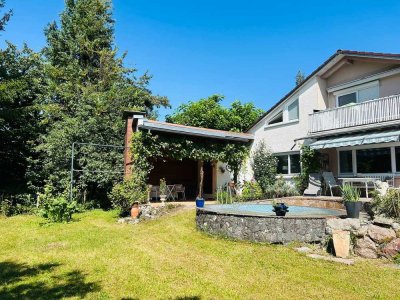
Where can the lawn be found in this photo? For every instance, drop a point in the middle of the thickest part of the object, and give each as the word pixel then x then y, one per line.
pixel 96 258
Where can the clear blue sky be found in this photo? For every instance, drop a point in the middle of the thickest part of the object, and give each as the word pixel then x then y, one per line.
pixel 247 50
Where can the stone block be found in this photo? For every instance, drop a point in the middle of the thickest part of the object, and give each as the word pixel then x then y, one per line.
pixel 366 248
pixel 380 234
pixel 391 249
pixel 341 242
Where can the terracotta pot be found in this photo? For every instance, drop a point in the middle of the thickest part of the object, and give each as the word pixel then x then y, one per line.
pixel 135 210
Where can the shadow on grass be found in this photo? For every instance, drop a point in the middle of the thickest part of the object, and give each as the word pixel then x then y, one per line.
pixel 18 281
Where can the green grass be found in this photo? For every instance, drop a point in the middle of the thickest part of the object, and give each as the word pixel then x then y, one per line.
pixel 96 258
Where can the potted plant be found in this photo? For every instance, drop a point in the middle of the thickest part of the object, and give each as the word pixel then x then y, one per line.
pixel 163 191
pixel 280 209
pixel 199 199
pixel 351 198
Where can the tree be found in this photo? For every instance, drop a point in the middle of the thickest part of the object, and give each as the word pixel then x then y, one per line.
pixel 5 18
pixel 264 166
pixel 21 81
pixel 86 91
pixel 209 113
pixel 299 77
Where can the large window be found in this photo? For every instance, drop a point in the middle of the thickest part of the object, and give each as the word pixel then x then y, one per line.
pixel 346 161
pixel 377 160
pixel 288 164
pixel 358 94
pixel 293 110
pixel 397 151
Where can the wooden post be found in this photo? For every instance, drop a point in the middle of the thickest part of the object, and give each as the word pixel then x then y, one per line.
pixel 201 173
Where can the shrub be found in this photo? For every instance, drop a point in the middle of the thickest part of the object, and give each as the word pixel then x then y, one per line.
pixel 124 194
pixel 58 209
pixel 251 191
pixel 264 166
pixel 11 205
pixel 388 204
pixel 310 163
pixel 280 189
pixel 223 197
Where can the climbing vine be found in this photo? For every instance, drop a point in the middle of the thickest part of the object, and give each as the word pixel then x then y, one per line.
pixel 146 148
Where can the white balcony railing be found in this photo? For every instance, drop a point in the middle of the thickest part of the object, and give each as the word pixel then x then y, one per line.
pixel 369 112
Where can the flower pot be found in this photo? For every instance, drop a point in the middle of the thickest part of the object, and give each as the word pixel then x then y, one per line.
pixel 200 202
pixel 135 210
pixel 353 209
pixel 280 213
pixel 280 209
pixel 163 198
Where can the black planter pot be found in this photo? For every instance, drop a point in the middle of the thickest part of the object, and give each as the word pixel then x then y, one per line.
pixel 280 213
pixel 353 209
pixel 280 209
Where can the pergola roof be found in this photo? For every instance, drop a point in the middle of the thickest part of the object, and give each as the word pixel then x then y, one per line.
pixel 151 125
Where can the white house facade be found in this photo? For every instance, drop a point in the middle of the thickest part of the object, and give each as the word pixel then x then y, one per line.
pixel 348 109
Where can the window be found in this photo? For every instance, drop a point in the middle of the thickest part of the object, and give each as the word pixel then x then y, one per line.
pixel 346 161
pixel 376 160
pixel 397 151
pixel 295 163
pixel 347 99
pixel 358 94
pixel 293 110
pixel 283 164
pixel 288 164
pixel 276 119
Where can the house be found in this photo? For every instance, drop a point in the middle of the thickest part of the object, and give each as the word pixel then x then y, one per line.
pixel 348 109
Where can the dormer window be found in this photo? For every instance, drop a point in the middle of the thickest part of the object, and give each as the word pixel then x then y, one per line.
pixel 278 118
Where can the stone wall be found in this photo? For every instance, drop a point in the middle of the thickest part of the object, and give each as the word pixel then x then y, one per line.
pixel 268 229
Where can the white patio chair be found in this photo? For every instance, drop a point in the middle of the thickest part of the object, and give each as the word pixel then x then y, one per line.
pixel 180 189
pixel 330 181
pixel 314 185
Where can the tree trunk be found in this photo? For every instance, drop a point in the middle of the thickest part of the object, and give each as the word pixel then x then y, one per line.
pixel 201 180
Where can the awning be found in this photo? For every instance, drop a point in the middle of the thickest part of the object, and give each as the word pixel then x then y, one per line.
pixel 359 139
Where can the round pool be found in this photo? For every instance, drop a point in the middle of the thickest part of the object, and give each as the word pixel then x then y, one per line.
pixel 266 210
pixel 258 223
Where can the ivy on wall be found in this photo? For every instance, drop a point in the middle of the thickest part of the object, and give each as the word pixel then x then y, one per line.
pixel 147 147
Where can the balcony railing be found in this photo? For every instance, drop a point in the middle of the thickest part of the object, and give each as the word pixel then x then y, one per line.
pixel 365 113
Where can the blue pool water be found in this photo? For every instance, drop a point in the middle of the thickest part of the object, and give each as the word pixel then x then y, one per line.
pixel 266 209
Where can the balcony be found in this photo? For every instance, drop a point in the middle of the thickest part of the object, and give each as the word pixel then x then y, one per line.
pixel 382 110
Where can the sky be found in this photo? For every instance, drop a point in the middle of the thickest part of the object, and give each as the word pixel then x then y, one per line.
pixel 246 50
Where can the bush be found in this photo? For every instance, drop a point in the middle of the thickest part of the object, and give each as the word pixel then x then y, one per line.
pixel 124 194
pixel 11 205
pixel 388 204
pixel 310 163
pixel 264 166
pixel 58 209
pixel 280 189
pixel 251 191
pixel 223 197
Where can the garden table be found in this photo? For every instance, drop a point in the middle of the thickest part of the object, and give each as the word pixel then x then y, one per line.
pixel 364 180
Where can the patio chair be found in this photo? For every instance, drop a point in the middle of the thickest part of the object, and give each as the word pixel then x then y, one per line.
pixel 330 181
pixel 179 188
pixel 154 191
pixel 314 185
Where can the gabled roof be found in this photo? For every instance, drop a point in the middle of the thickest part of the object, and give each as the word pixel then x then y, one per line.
pixel 329 63
pixel 194 131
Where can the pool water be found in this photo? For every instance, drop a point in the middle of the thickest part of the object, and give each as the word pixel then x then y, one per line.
pixel 266 209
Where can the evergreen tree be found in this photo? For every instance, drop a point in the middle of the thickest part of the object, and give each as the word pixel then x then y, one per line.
pixel 299 77
pixel 87 90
